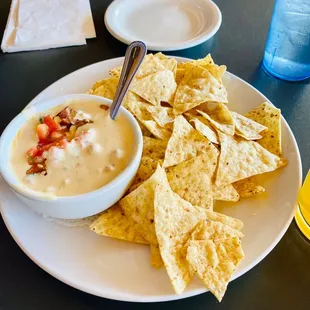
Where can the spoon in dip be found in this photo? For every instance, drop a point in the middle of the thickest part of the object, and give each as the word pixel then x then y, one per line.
pixel 133 59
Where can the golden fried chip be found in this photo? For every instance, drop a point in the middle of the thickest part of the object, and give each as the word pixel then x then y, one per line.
pixel 150 65
pixel 248 187
pixel 208 63
pixel 268 115
pixel 156 87
pixel 139 110
pixel 185 143
pixel 175 220
pixel 168 62
pixel 224 219
pixel 162 115
pixel 202 125
pixel 139 205
pixel 180 72
pixel 163 133
pixel 197 86
pixel 225 193
pixel 146 169
pixel 154 148
pixel 206 229
pixel 105 88
pixel 219 116
pixel 216 258
pixel 192 179
pixel 240 159
pixel 155 259
pixel 113 223
pixel 247 128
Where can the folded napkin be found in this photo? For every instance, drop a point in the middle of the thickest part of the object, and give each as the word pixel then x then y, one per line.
pixel 43 24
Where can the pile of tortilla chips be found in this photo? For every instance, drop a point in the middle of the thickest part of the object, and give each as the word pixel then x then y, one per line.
pixel 196 151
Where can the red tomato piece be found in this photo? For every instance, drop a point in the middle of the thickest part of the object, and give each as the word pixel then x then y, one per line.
pixel 51 123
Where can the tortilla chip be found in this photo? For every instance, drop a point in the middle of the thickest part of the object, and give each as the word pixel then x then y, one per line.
pixel 268 115
pixel 162 115
pixel 139 205
pixel 208 63
pixel 185 143
pixel 219 116
pixel 150 65
pixel 202 125
pixel 154 148
pixel 113 223
pixel 162 133
pixel 224 219
pixel 146 169
pixel 168 62
pixel 248 187
pixel 105 88
pixel 175 220
pixel 155 259
pixel 192 179
pixel 145 131
pixel 215 259
pixel 240 159
pixel 156 87
pixel 225 193
pixel 196 87
pixel 179 75
pixel 139 110
pixel 206 228
pixel 247 128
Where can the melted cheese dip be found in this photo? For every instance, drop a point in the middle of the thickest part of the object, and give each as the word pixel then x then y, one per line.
pixel 102 150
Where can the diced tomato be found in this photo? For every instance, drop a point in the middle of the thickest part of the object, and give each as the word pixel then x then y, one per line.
pixel 51 123
pixel 32 152
pixel 61 143
pixel 42 132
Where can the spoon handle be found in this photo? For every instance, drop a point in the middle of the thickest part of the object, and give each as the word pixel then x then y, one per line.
pixel 133 59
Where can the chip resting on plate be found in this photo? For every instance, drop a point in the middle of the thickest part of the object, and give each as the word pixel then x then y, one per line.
pixel 150 65
pixel 175 219
pixel 155 258
pixel 268 115
pixel 215 259
pixel 247 128
pixel 202 125
pixel 197 86
pixel 248 187
pixel 105 88
pixel 139 205
pixel 184 143
pixel 219 116
pixel 193 179
pixel 156 87
pixel 146 169
pixel 225 193
pixel 114 223
pixel 240 159
pixel 154 148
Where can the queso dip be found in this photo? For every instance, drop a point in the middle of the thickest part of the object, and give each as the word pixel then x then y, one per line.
pixel 72 149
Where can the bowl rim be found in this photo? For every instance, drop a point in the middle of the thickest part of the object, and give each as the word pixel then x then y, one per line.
pixel 8 174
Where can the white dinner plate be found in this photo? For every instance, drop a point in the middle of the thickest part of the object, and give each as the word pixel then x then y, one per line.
pixel 121 270
pixel 164 25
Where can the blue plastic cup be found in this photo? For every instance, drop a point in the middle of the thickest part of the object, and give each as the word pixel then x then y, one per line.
pixel 287 52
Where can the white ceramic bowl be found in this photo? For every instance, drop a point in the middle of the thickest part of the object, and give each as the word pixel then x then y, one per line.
pixel 70 207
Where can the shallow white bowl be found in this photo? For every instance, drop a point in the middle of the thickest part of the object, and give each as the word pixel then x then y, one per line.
pixel 70 207
pixel 163 25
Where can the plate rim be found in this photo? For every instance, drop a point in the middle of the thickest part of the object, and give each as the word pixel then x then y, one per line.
pixel 163 47
pixel 171 297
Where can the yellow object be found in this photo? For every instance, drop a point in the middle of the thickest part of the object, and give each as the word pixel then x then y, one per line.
pixel 302 216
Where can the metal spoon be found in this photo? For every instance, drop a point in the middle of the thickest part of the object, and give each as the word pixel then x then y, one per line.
pixel 133 59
